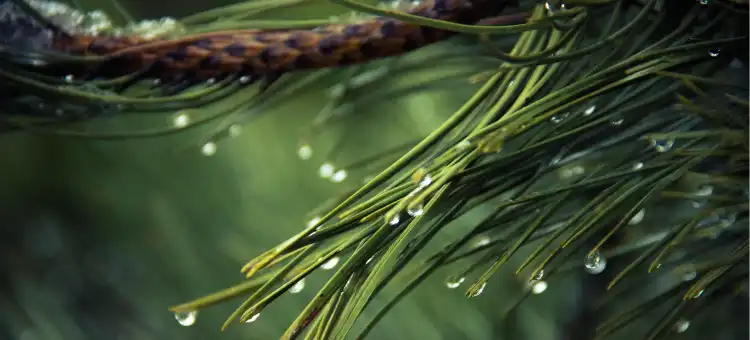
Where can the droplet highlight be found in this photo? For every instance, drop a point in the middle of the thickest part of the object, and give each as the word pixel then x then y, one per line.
pixel 326 170
pixel 297 287
pixel 638 217
pixel 208 149
pixel 681 325
pixel 253 318
pixel 415 209
pixel 662 145
pixel 338 176
pixel 538 287
pixel 181 120
pixel 455 282
pixel 330 264
pixel 304 152
pixel 479 290
pixel 595 263
pixel 186 319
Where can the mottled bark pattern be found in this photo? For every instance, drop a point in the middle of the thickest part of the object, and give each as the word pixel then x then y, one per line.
pixel 259 53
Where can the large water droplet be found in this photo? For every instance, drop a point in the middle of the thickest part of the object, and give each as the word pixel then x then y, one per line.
pixel 479 290
pixel 638 217
pixel 181 120
pixel 689 274
pixel 662 145
pixel 454 282
pixel 463 145
pixel 415 209
pixel 326 170
pixel 637 166
pixel 304 152
pixel 714 52
pixel 339 176
pixel 557 119
pixel 330 264
pixel 209 149
pixel 313 221
pixel 482 241
pixel 703 2
pixel 681 325
pixel 704 190
pixel 589 110
pixel 253 318
pixel 395 219
pixel 538 287
pixel 186 318
pixel 595 263
pixel 298 287
pixel 69 78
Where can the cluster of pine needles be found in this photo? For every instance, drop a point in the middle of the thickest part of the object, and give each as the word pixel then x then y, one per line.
pixel 615 113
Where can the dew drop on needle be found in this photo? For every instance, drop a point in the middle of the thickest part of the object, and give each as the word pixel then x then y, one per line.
pixel 186 318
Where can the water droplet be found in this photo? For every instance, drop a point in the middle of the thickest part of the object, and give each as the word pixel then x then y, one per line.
pixel 539 275
pixel 704 190
pixel 554 6
pixel 244 79
pixel 727 220
pixel 589 110
pixel 617 121
pixel 595 263
pixel 421 177
pixel 463 145
pixel 539 287
pixel 479 290
pixel 235 130
pixel 662 145
pixel 453 283
pixel 482 241
pixel 69 78
pixel 415 209
pixel 186 318
pixel 298 287
pixel 714 52
pixel 681 325
pixel 208 149
pixel 394 219
pixel 326 170
pixel 566 173
pixel 211 81
pixel 253 318
pixel 637 166
pixel 703 2
pixel 689 274
pixel 181 120
pixel 557 119
pixel 426 181
pixel 338 176
pixel 304 152
pixel 157 82
pixel 313 221
pixel 330 264
pixel 638 217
